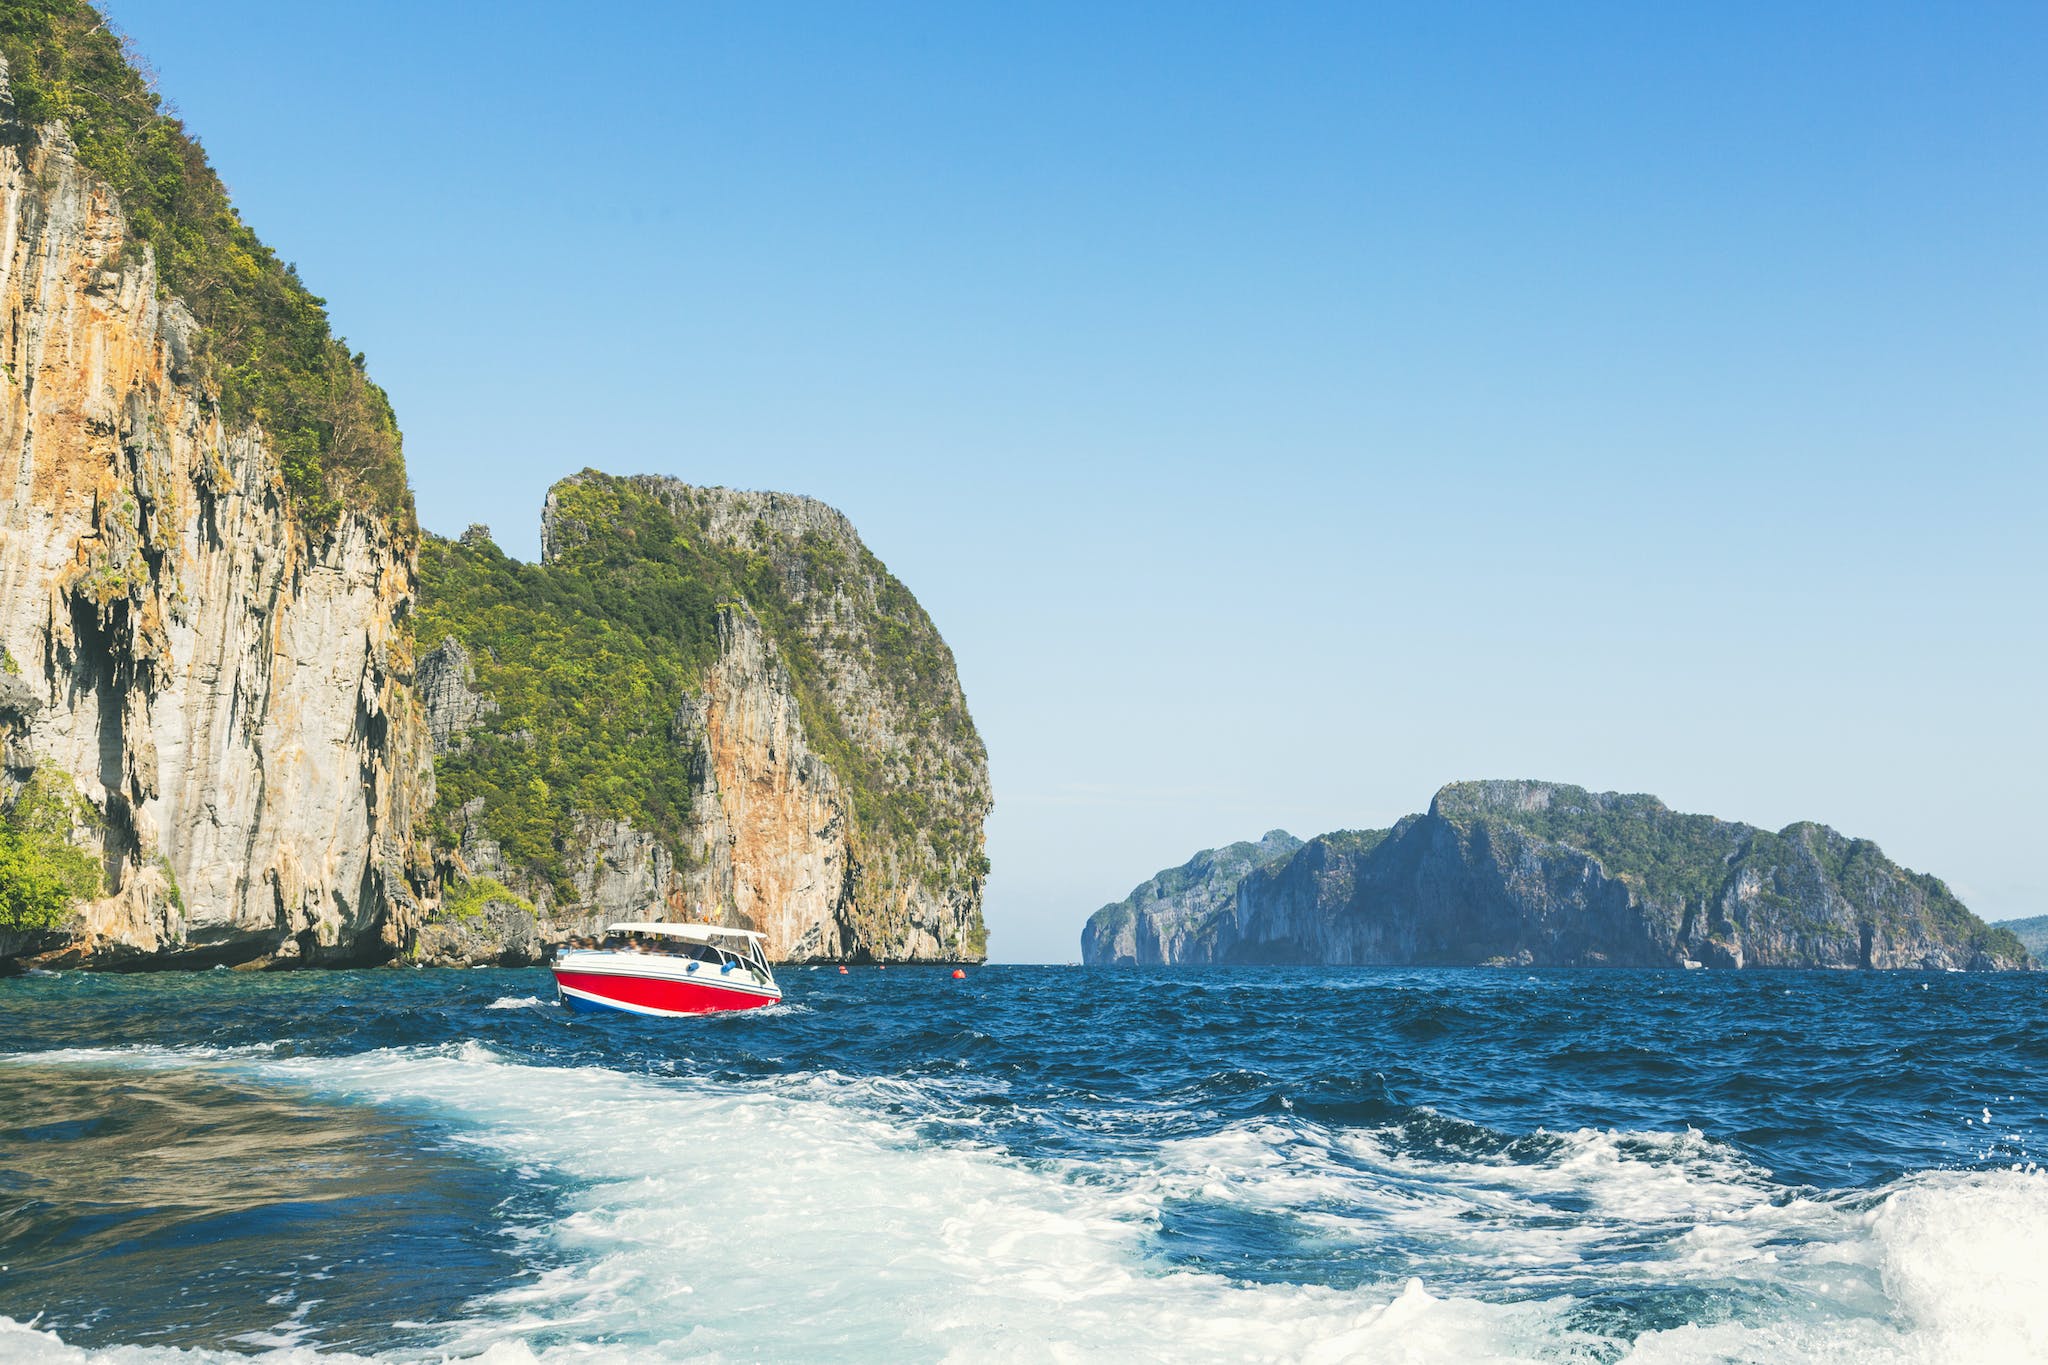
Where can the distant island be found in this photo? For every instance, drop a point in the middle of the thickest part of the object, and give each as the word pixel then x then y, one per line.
pixel 1540 874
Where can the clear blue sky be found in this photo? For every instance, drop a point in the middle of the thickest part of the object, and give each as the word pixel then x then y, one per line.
pixel 1282 409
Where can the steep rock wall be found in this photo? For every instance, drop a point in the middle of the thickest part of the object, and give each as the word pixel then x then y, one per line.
pixel 773 837
pixel 885 684
pixel 769 847
pixel 1173 917
pixel 227 693
pixel 1434 894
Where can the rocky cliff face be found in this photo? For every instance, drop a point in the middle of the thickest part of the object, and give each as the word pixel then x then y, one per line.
pixel 1173 917
pixel 773 836
pixel 791 747
pixel 1538 874
pixel 225 689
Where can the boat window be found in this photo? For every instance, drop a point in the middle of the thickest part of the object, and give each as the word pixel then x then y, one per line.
pixel 736 951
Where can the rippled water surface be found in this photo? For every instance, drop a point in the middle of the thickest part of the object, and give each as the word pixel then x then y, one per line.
pixel 1034 1162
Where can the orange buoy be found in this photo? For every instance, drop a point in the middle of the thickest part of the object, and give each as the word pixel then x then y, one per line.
pixel 959 975
pixel 842 969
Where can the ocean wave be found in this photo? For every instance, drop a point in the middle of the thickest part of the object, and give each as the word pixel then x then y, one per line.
pixel 23 1343
pixel 801 1214
pixel 777 1010
pixel 1961 1255
pixel 148 1054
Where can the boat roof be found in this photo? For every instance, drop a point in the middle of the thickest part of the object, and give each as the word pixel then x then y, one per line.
pixel 695 933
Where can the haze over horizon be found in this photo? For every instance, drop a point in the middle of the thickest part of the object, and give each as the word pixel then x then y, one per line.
pixel 1281 412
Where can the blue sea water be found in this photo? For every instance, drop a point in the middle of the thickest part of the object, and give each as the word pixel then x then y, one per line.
pixel 1032 1163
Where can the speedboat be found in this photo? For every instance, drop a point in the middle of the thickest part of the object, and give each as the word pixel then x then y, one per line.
pixel 667 969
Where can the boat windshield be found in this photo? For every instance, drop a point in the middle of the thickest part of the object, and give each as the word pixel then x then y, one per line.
pixel 737 950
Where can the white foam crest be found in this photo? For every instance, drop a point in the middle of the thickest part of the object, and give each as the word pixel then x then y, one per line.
pixel 1527 1219
pixel 23 1343
pixel 770 1011
pixel 150 1055
pixel 520 1002
pixel 778 1221
pixel 1963 1258
pixel 1941 1266
pixel 1963 1277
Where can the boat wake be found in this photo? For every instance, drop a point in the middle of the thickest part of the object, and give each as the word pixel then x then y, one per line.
pixel 812 1214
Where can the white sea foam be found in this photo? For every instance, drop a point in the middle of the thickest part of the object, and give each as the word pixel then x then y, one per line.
pixel 794 1218
pixel 24 1344
pixel 147 1054
pixel 519 1002
pixel 1963 1258
pixel 781 1219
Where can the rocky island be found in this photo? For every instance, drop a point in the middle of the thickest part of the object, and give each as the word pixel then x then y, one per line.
pixel 697 697
pixel 1544 874
pixel 251 715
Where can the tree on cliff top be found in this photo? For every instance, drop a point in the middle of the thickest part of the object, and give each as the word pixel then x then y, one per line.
pixel 264 344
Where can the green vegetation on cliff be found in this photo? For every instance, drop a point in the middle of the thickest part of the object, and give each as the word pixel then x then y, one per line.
pixel 1666 855
pixel 1681 860
pixel 805 590
pixel 1870 883
pixel 264 340
pixel 41 874
pixel 1355 843
pixel 2032 932
pixel 587 671
pixel 468 898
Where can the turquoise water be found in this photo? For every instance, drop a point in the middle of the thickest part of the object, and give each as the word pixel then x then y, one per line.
pixel 892 1165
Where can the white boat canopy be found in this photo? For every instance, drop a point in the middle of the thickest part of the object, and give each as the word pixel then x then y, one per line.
pixel 695 933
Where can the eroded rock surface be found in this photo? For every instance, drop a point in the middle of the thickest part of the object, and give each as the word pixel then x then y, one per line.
pixel 1160 920
pixel 227 691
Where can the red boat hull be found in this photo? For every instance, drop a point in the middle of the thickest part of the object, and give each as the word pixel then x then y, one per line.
pixel 653 994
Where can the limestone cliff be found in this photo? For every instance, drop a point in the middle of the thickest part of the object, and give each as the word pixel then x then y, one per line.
pixel 700 703
pixel 1159 921
pixel 1540 874
pixel 215 685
